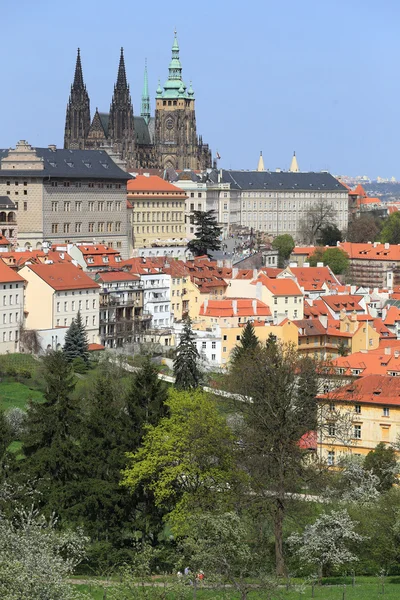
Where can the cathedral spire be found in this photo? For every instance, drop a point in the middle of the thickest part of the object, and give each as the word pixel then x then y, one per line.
pixel 294 166
pixel 260 166
pixel 175 67
pixel 78 79
pixel 121 79
pixel 145 112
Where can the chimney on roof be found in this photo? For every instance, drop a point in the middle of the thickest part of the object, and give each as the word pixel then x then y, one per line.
pixel 376 244
pixel 254 302
pixel 387 246
pixel 306 264
pixel 396 353
pixel 255 273
pixel 352 290
pixel 235 271
pixel 52 147
pixel 320 264
pixel 234 306
pixel 205 305
pixel 323 319
pixel 388 351
pixel 338 243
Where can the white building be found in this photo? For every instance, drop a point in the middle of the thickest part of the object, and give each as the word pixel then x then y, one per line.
pixel 12 308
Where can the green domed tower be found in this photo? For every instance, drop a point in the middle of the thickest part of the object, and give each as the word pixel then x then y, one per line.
pixel 176 141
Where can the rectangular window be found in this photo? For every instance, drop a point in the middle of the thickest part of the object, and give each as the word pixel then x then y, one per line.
pixel 331 458
pixel 91 206
pixel 357 432
pixel 67 206
pixel 100 227
pixel 386 411
pixel 58 307
pixel 91 227
pixel 357 409
pixel 78 227
pixel 331 429
pixel 66 227
pixel 78 206
pixel 213 357
pixel 118 206
pixel 25 206
pixel 109 227
pixel 54 228
pixel 118 226
pixel 204 345
pixel 213 345
pixel 94 303
pixel 54 206
pixel 100 206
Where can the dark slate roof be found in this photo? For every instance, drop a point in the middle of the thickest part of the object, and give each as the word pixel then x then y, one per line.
pixel 284 180
pixel 68 164
pixel 104 118
pixel 142 132
pixel 6 202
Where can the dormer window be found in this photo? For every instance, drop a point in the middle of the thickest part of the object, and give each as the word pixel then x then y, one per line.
pixel 105 259
pixel 90 260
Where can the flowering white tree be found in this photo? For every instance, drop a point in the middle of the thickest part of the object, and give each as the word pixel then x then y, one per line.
pixel 354 483
pixel 35 559
pixel 324 544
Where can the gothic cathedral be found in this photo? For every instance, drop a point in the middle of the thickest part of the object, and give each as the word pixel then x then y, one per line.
pixel 168 140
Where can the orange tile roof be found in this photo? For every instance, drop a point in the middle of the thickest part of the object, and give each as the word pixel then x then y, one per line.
pixel 372 389
pixel 64 276
pixel 309 327
pixel 279 287
pixel 92 249
pixel 374 362
pixel 4 241
pixel 153 183
pixel 95 347
pixel 348 302
pixel 314 278
pixel 306 250
pixel 8 275
pixel 371 251
pixel 392 316
pixel 359 191
pixel 106 276
pixel 271 272
pixel 318 307
pixel 225 308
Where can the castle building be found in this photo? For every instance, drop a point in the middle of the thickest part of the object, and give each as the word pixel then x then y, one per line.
pixel 167 140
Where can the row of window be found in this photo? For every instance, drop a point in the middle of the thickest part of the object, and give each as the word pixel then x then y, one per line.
pixel 357 408
pixel 99 206
pixel 74 305
pixel 65 324
pixel 137 204
pixel 10 318
pixel 10 286
pixel 10 300
pixel 17 193
pixel 12 336
pixel 156 229
pixel 159 216
pixel 78 184
pixel 101 227
pixel 287 299
pixel 293 195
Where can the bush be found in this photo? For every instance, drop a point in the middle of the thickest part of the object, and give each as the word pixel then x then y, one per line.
pixel 16 418
pixel 79 365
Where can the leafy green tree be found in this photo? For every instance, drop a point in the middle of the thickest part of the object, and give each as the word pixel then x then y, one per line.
pixel 390 233
pixel 364 229
pixel 186 371
pixel 335 258
pixel 248 343
pixel 36 560
pixel 283 389
pixel 382 462
pixel 343 349
pixel 284 244
pixel 187 460
pixel 51 434
pixel 330 235
pixel 326 544
pixel 208 233
pixel 76 343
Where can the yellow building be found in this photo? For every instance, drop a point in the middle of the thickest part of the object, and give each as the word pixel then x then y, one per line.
pixel 286 332
pixel 358 416
pixel 231 312
pixel 158 211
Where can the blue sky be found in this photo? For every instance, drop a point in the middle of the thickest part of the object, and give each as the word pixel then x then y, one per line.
pixel 316 76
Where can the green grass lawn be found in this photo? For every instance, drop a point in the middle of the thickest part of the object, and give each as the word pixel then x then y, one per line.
pixel 19 362
pixel 14 394
pixel 366 588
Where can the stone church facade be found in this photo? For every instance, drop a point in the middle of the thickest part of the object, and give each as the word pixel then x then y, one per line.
pixel 167 140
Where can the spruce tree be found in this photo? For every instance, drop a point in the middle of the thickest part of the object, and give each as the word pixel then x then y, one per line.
pixel 51 432
pixel 186 370
pixel 208 233
pixel 76 343
pixel 248 343
pixel 145 401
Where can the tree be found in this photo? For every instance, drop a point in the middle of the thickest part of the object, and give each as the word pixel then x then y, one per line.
pixel 187 460
pixel 330 235
pixel 382 462
pixel 283 408
pixel 318 216
pixel 343 348
pixel 365 228
pixel 35 559
pixel 207 233
pixel 335 258
pixel 248 343
pixel 325 543
pixel 284 244
pixel 390 233
pixel 51 433
pixel 353 483
pixel 146 402
pixel 76 342
pixel 186 371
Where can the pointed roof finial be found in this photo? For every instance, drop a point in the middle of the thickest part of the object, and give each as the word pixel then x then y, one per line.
pixel 294 167
pixel 260 166
pixel 78 78
pixel 145 112
pixel 121 79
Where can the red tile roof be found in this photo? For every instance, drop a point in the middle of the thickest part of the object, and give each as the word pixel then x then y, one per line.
pixel 106 276
pixel 372 389
pixel 392 316
pixel 8 275
pixel 95 347
pixel 347 302
pixel 153 183
pixel 374 362
pixel 64 276
pixel 279 287
pixel 225 308
pixel 314 278
pixel 4 241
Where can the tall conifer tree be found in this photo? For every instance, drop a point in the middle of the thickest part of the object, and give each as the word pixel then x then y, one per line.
pixel 76 343
pixel 186 370
pixel 207 233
